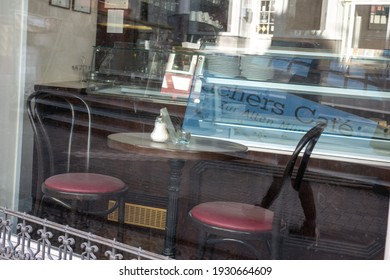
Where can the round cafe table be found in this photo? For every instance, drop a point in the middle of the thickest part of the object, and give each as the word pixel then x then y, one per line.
pixel 199 148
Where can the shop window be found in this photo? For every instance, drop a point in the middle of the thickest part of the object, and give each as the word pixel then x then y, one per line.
pixel 378 17
pixel 267 17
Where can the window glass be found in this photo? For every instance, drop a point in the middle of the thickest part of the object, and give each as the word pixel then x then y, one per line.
pixel 378 17
pixel 247 78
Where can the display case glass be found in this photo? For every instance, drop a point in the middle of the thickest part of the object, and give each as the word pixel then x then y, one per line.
pixel 147 71
pixel 269 100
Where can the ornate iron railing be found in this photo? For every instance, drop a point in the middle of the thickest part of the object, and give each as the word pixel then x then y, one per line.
pixel 26 237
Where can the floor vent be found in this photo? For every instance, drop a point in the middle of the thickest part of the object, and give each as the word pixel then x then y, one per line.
pixel 141 215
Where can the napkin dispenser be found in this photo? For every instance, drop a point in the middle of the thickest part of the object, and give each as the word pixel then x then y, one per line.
pixel 176 136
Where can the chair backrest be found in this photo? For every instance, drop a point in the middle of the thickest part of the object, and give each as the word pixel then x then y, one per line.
pixel 51 112
pixel 307 142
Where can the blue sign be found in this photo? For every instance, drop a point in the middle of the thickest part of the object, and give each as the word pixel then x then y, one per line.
pixel 224 110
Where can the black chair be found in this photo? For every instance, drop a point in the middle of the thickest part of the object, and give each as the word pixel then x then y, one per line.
pixel 227 221
pixel 51 113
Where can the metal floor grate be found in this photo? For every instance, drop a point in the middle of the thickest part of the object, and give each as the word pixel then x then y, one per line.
pixel 141 215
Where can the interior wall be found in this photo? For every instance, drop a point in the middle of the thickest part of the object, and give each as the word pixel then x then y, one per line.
pixel 58 38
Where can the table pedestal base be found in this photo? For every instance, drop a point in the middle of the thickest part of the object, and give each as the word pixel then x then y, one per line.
pixel 176 167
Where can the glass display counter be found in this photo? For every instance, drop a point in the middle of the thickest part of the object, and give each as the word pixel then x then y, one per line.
pixel 148 72
pixel 267 101
pixel 124 65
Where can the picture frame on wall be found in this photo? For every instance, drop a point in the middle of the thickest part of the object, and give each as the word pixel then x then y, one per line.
pixel 83 6
pixel 60 3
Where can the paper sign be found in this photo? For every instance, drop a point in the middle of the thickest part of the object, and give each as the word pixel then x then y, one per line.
pixel 167 120
pixel 116 4
pixel 115 21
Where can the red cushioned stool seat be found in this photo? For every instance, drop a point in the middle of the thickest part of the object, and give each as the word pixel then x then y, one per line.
pixel 234 216
pixel 86 183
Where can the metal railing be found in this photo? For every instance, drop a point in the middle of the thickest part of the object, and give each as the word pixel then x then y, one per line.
pixel 26 237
